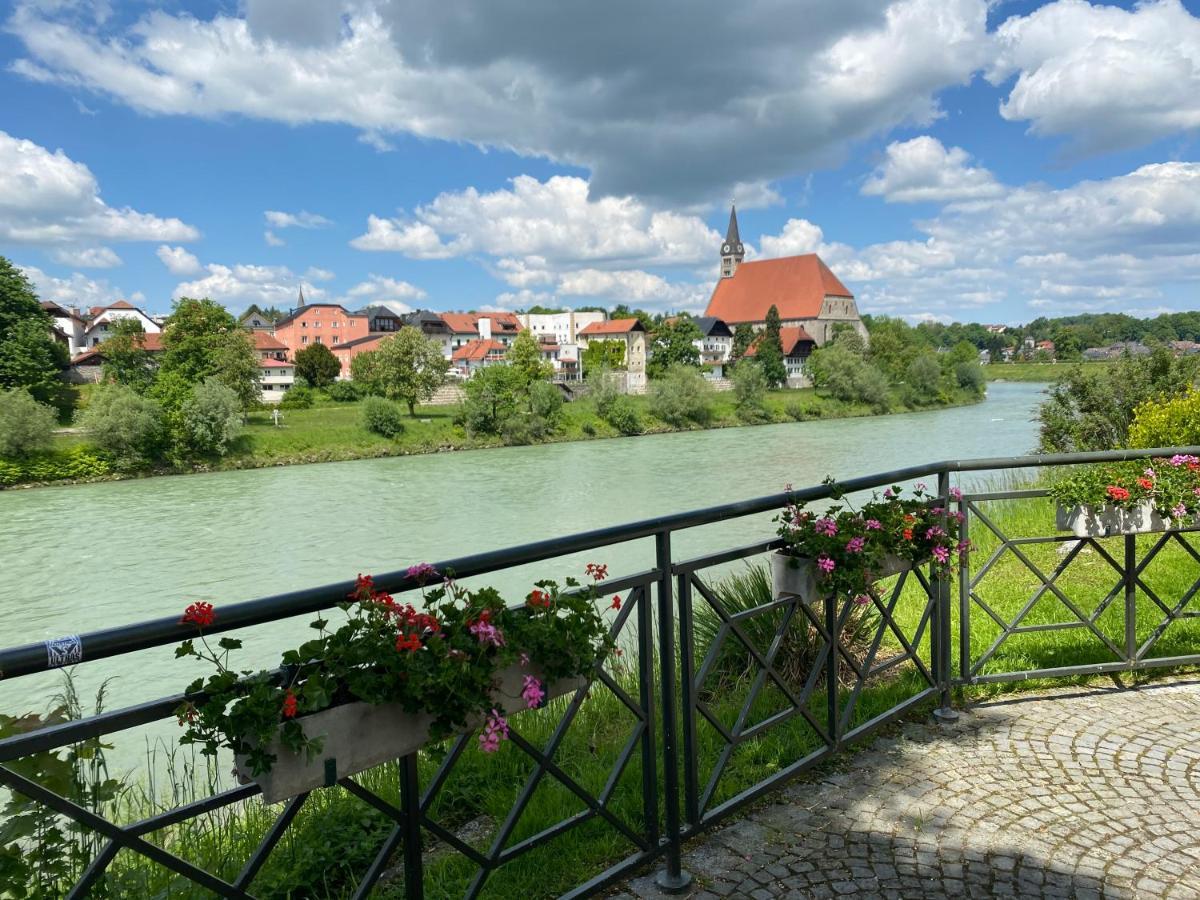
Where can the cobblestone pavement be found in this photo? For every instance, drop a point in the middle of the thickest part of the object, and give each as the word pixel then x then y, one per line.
pixel 1076 793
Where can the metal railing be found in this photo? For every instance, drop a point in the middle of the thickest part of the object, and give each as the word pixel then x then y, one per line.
pixel 682 748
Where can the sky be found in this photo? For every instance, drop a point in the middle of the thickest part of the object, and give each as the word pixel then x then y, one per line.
pixel 949 159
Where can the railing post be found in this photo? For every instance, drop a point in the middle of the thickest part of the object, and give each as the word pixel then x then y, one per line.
pixel 691 777
pixel 672 879
pixel 832 710
pixel 1130 598
pixel 940 638
pixel 964 595
pixel 410 804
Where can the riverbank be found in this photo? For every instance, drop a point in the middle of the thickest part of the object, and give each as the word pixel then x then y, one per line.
pixel 333 432
pixel 1032 371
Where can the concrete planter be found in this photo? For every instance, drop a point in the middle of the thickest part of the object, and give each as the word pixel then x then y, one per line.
pixel 796 576
pixel 360 736
pixel 1103 521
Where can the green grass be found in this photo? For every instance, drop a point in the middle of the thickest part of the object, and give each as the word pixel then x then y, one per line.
pixel 1031 371
pixel 335 836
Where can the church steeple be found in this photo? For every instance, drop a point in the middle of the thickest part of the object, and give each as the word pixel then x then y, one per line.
pixel 732 251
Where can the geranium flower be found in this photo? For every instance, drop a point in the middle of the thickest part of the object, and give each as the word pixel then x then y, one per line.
pixel 410 642
pixel 532 692
pixel 199 614
pixel 908 533
pixel 873 524
pixel 616 603
pixel 826 565
pixel 1117 493
pixel 825 526
pixel 1146 483
pixel 855 544
pixel 538 599
pixel 289 705
pixel 934 531
pixel 598 572
pixel 495 730
pixel 955 493
pixel 421 572
pixel 941 554
pixel 485 631
pixel 1179 510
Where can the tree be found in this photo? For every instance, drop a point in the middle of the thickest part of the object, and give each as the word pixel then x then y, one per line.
pixel 769 350
pixel 491 399
pixel 603 389
pixel 682 396
pixel 525 358
pixel 201 340
pixel 603 355
pixel 743 337
pixel 407 366
pixel 25 425
pixel 124 424
pixel 29 355
pixel 623 311
pixel 923 380
pixel 317 365
pixel 847 337
pixel 126 359
pixel 212 417
pixel 750 392
pixel 674 345
pixel 850 378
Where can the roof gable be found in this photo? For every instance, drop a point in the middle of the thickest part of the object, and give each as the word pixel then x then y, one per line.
pixel 612 326
pixel 795 285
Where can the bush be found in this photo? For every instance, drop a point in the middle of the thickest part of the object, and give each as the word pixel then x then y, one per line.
pixel 383 417
pixel 603 388
pixel 211 418
pixel 545 401
pixel 76 463
pixel 588 428
pixel 750 392
pixel 623 415
pixel 970 377
pixel 298 396
pixel 343 391
pixel 923 381
pixel 1167 422
pixel 850 378
pixel 124 424
pixel 25 424
pixel 491 399
pixel 682 396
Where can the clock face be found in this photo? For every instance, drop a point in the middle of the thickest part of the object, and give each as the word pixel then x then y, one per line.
pixel 725 249
pixel 739 250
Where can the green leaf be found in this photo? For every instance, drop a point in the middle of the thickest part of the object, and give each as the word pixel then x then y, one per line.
pixel 229 643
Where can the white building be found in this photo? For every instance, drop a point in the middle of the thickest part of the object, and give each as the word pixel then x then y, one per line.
pixel 69 323
pixel 276 376
pixel 564 327
pixel 631 334
pixel 98 331
pixel 715 345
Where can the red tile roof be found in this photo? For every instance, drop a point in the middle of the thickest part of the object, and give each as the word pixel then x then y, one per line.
pixel 265 341
pixel 789 338
pixel 612 326
pixel 275 363
pixel 479 350
pixel 796 285
pixel 468 323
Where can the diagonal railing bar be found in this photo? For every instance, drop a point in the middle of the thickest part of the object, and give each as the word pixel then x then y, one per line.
pixel 523 846
pixel 443 773
pixel 622 763
pixel 1172 614
pixel 94 872
pixel 379 863
pixel 269 841
pixel 444 834
pixel 117 834
pixel 910 649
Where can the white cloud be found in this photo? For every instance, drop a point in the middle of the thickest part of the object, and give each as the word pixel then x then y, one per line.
pixel 922 170
pixel 302 219
pixel 1108 77
pixel 77 289
pixel 787 88
pixel 242 284
pixel 272 239
pixel 86 257
pixel 312 273
pixel 378 289
pixel 49 199
pixel 415 239
pixel 178 261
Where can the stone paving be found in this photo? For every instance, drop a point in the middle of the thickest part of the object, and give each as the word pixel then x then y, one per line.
pixel 1081 792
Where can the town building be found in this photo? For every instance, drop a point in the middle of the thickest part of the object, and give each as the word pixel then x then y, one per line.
pixel 564 327
pixel 502 327
pixel 256 320
pixel 381 319
pixel 798 346
pixel 69 326
pixel 276 378
pixel 100 318
pixel 475 355
pixel 346 352
pixel 802 288
pixel 715 345
pixel 632 335
pixel 320 323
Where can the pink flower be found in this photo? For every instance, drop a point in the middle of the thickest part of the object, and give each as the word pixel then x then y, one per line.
pixel 888 493
pixel 421 572
pixel 935 531
pixel 963 548
pixel 955 493
pixel 1183 459
pixel 919 487
pixel 1196 491
pixel 495 730
pixel 532 692
pixel 826 526
pixel 1179 511
pixel 826 565
pixel 873 524
pixel 524 660
pixel 862 599
pixel 855 544
pixel 941 554
pixel 485 631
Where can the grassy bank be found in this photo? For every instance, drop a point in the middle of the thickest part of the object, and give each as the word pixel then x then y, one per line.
pixel 330 431
pixel 335 835
pixel 1030 371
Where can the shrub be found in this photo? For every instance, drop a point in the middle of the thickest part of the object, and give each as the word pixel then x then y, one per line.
pixel 623 415
pixel 588 428
pixel 76 463
pixel 383 417
pixel 1167 422
pixel 343 391
pixel 545 401
pixel 211 418
pixel 796 411
pixel 317 365
pixel 298 396
pixel 750 392
pixel 25 424
pixel 491 398
pixel 603 388
pixel 682 396
pixel 124 424
pixel 850 378
pixel 923 380
pixel 970 377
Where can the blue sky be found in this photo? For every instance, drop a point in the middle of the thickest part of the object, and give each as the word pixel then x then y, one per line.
pixel 948 159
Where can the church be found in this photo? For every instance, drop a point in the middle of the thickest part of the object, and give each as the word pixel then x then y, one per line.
pixel 804 290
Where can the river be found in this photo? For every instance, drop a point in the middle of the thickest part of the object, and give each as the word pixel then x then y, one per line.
pixel 83 557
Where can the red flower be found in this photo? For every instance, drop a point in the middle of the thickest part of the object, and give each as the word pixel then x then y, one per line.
pixel 1146 483
pixel 909 517
pixel 199 614
pixel 187 714
pixel 616 604
pixel 1117 493
pixel 289 705
pixel 538 598
pixel 409 642
pixel 598 572
pixel 908 534
pixel 364 587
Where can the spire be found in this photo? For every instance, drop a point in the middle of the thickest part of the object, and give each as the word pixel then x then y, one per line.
pixel 731 233
pixel 301 296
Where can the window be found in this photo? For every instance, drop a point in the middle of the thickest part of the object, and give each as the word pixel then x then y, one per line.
pixel 335 324
pixel 303 324
pixel 304 340
pixel 317 339
pixel 336 338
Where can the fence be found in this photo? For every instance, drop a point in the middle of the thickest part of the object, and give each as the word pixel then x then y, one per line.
pixel 680 769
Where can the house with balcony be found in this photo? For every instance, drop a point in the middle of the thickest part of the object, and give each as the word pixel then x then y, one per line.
pixel 798 346
pixel 631 334
pixel 715 345
pixel 475 355
pixel 276 377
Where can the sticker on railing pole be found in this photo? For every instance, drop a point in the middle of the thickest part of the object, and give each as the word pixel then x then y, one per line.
pixel 64 651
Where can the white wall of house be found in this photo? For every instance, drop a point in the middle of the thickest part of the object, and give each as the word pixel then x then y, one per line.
pixel 275 381
pixel 98 329
pixel 565 326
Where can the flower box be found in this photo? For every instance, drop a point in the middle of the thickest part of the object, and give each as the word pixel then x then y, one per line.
pixel 1106 520
pixel 360 736
pixel 796 576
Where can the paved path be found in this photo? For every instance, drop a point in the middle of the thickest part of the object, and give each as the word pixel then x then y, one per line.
pixel 1077 793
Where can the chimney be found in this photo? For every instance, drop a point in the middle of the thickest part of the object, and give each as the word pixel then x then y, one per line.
pixel 485 328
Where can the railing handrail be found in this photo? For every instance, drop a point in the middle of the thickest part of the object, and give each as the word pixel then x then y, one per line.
pixel 31 658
